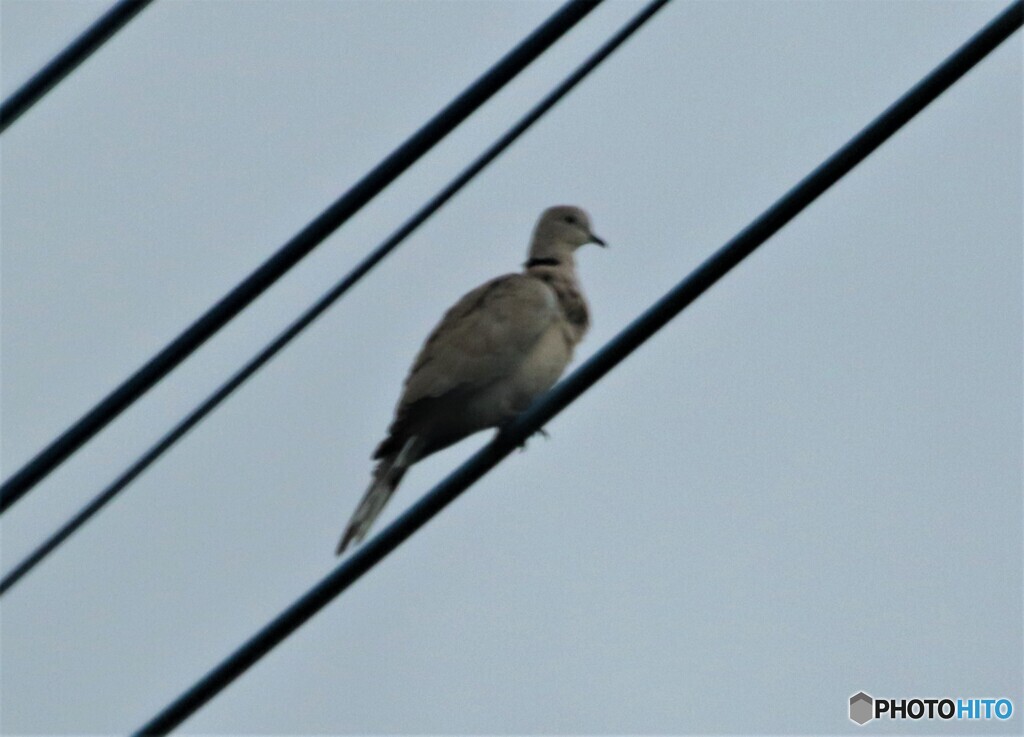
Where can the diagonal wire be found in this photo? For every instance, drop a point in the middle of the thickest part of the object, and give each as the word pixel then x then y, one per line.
pixel 67 60
pixel 293 251
pixel 329 298
pixel 603 361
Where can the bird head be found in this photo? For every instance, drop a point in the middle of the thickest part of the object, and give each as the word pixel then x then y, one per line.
pixel 560 231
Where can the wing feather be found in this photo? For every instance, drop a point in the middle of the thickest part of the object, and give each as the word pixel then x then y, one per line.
pixel 482 337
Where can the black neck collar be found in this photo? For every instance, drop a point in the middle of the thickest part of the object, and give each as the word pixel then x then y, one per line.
pixel 543 262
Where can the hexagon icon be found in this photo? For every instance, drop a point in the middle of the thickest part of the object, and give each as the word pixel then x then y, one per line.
pixel 861 708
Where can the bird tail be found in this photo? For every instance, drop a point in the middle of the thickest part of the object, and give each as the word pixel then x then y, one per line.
pixel 386 477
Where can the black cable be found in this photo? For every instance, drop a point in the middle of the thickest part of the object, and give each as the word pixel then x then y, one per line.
pixel 605 359
pixel 329 298
pixel 67 60
pixel 294 250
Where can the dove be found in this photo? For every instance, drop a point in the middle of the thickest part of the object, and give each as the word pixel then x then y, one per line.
pixel 496 350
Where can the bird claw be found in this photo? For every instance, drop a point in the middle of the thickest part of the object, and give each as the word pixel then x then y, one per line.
pixel 540 431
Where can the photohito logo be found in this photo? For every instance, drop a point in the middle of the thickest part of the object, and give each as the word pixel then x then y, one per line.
pixel 864 708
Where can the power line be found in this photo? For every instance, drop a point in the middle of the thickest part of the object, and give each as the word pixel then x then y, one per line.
pixel 329 298
pixel 294 250
pixel 67 60
pixel 606 358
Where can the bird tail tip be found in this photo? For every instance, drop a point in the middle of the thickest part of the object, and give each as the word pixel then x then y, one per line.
pixel 386 477
pixel 348 537
pixel 373 502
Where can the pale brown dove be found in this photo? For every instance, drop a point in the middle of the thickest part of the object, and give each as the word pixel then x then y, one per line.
pixel 500 347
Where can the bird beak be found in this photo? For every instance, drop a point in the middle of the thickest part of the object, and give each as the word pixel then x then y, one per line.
pixel 598 241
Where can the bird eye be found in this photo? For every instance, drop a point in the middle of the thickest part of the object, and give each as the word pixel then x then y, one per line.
pixel 571 219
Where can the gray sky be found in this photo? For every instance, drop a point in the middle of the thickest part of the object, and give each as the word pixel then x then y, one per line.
pixel 807 485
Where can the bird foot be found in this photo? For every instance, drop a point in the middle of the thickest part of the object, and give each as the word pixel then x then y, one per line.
pixel 540 431
pixel 522 446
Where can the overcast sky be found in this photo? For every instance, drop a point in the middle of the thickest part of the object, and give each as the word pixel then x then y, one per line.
pixel 807 485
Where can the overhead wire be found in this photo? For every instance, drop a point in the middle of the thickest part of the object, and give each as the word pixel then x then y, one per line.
pixel 300 245
pixel 328 299
pixel 604 360
pixel 23 98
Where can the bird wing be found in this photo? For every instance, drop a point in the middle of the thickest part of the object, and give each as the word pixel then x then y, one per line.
pixel 482 337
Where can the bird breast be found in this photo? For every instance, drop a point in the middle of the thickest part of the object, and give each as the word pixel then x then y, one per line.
pixel 571 303
pixel 541 367
pixel 552 352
